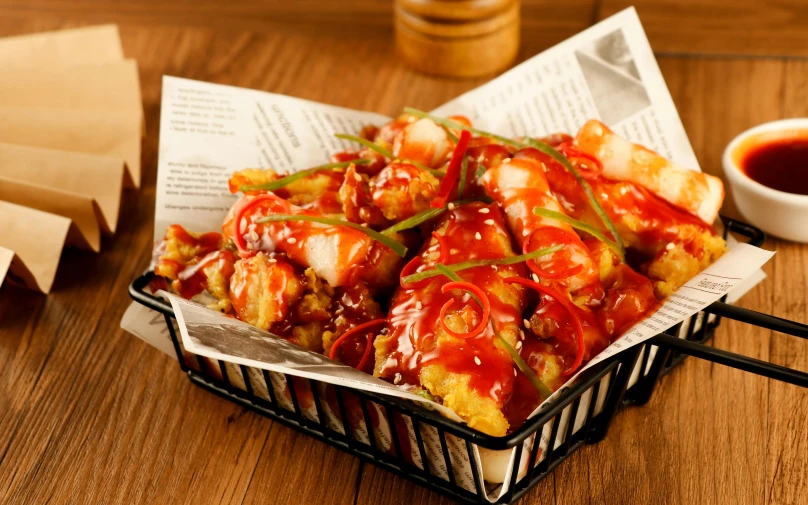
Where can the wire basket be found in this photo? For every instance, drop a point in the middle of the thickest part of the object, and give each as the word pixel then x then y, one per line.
pixel 429 449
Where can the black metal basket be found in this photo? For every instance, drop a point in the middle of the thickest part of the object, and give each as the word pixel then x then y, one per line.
pixel 581 414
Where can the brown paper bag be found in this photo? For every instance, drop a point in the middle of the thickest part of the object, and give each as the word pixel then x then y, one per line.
pixel 92 44
pixel 110 133
pixel 85 188
pixel 99 87
pixel 37 239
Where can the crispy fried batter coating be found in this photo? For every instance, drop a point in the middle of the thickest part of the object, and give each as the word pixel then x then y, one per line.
pixel 263 290
pixel 402 190
pixel 675 265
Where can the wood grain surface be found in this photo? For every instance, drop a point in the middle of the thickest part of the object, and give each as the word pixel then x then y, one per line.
pixel 90 414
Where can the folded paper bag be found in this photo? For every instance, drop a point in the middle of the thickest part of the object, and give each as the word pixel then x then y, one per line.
pixel 99 87
pixel 93 44
pixel 109 133
pixel 37 239
pixel 85 188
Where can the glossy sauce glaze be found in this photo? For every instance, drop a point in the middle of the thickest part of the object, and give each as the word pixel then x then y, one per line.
pixel 780 164
pixel 644 221
pixel 416 338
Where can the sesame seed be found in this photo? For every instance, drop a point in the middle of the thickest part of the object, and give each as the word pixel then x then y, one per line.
pixel 451 206
pixel 670 246
pixel 454 251
pixel 484 210
pixel 357 177
pixel 254 236
pixel 535 278
pixel 518 345
pixel 521 334
pixel 397 378
pixel 514 372
pixel 272 260
pixel 489 221
pixel 411 119
pixel 478 236
pixel 495 267
pixel 477 360
pixel 506 160
pixel 292 240
pixel 419 305
pixel 527 323
pixel 250 246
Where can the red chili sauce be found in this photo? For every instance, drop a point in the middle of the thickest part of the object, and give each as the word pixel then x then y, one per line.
pixel 780 163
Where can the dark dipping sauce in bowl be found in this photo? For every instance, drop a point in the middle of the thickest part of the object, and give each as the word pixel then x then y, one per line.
pixel 779 163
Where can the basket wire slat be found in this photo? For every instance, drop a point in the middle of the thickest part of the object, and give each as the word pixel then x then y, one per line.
pixel 655 358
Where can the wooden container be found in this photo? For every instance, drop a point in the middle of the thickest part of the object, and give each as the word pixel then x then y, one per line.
pixel 457 38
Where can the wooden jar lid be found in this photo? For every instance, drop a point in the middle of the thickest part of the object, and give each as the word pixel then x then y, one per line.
pixel 459 38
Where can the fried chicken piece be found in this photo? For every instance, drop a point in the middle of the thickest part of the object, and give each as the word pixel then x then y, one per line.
pixel 180 247
pixel 263 289
pixel 318 191
pixel 357 204
pixel 473 376
pixel 402 190
pixel 423 141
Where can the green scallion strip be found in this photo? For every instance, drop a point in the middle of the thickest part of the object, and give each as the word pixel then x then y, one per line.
pixel 367 143
pixel 541 146
pixel 456 267
pixel 578 225
pixel 464 172
pixel 279 183
pixel 448 123
pixel 480 171
pixel 547 149
pixel 386 153
pixel 396 246
pixel 541 388
pixel 412 222
pixel 422 217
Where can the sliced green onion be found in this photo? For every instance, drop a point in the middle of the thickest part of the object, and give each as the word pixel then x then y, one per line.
pixel 448 123
pixel 412 222
pixel 480 171
pixel 279 183
pixel 543 147
pixel 396 246
pixel 578 225
pixel 547 149
pixel 422 217
pixel 464 172
pixel 384 152
pixel 541 388
pixel 451 135
pixel 367 143
pixel 464 265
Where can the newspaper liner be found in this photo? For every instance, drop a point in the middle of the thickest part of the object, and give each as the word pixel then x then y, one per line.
pixel 208 131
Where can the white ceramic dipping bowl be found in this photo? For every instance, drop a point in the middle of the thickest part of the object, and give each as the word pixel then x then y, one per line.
pixel 778 213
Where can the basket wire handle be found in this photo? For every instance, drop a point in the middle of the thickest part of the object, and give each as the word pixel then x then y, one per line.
pixel 740 361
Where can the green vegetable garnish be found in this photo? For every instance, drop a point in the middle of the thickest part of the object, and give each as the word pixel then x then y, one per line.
pixel 412 222
pixel 422 217
pixel 543 147
pixel 541 388
pixel 425 395
pixel 396 246
pixel 480 171
pixel 456 267
pixel 279 183
pixel 578 225
pixel 464 172
pixel 385 152
pixel 367 143
pixel 547 149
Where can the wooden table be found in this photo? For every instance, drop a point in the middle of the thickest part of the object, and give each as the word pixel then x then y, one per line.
pixel 90 414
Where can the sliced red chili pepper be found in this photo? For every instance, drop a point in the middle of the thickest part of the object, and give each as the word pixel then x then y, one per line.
pixel 486 304
pixel 238 236
pixel 593 166
pixel 559 265
pixel 449 180
pixel 357 329
pixel 568 305
pixel 443 253
pixel 408 269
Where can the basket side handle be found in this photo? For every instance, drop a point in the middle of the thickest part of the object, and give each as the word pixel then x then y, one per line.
pixel 732 359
